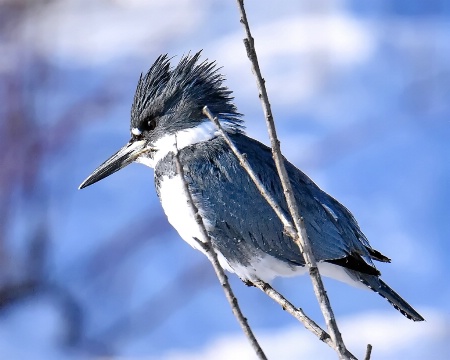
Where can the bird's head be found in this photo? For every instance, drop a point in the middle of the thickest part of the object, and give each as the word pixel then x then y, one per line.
pixel 166 114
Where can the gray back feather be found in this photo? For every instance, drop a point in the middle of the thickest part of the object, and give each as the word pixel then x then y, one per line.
pixel 244 222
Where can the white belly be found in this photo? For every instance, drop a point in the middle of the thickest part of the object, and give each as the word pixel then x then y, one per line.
pixel 180 216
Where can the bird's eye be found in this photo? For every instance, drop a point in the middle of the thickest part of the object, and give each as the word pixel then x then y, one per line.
pixel 151 124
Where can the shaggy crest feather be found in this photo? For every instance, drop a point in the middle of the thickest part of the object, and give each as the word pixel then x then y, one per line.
pixel 183 90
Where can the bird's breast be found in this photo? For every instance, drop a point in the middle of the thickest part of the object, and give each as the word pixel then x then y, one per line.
pixel 179 211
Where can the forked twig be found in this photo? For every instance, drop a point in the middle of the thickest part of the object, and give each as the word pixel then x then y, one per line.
pixel 206 245
pixel 301 239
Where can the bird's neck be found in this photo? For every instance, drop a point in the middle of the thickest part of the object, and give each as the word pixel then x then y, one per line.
pixel 205 131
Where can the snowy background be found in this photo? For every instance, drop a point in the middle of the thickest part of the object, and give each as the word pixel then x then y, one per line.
pixel 361 95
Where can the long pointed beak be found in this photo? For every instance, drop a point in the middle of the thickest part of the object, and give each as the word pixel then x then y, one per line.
pixel 119 160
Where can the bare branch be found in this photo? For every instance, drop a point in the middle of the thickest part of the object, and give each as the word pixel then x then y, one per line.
pixel 299 315
pixel 301 239
pixel 206 245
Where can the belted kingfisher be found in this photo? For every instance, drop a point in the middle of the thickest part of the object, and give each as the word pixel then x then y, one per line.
pixel 167 119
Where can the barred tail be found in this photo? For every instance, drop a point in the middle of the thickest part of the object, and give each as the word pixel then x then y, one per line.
pixel 379 286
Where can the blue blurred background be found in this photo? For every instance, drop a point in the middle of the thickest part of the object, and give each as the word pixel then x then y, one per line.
pixel 360 93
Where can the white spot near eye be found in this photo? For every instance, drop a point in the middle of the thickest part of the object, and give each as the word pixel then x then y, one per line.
pixel 136 131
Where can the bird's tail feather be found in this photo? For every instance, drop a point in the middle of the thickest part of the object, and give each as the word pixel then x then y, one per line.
pixel 379 286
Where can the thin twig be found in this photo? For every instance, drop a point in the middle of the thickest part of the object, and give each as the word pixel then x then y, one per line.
pixel 206 245
pixel 272 293
pixel 301 239
pixel 294 311
pixel 368 352
pixel 299 314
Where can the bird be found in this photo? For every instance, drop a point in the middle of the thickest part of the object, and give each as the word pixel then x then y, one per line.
pixel 167 125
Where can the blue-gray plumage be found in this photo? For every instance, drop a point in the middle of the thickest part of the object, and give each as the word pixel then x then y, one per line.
pixel 166 117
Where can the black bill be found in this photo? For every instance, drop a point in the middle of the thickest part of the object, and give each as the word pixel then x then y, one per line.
pixel 119 160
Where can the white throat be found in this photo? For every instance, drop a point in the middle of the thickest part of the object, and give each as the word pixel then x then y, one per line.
pixel 181 139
